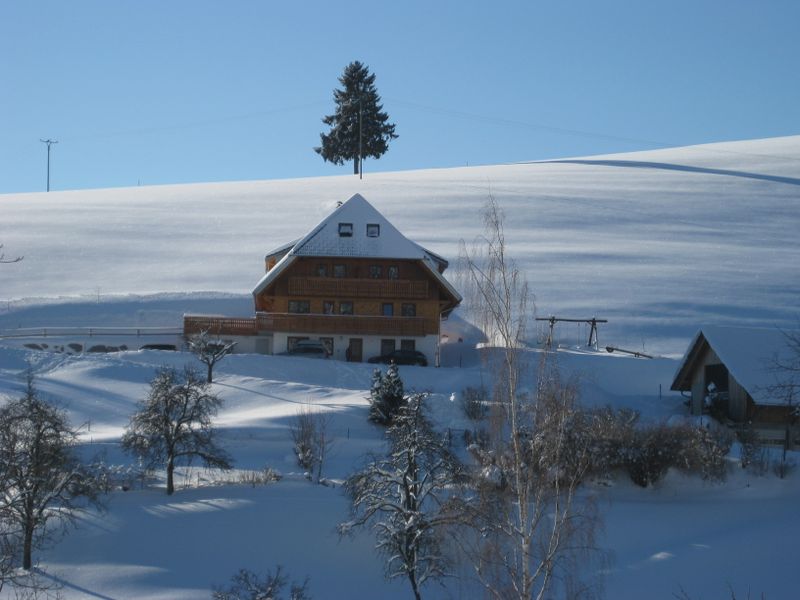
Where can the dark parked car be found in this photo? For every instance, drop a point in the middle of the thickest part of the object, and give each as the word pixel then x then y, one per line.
pixel 401 357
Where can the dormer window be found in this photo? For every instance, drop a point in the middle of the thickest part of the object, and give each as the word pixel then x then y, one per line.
pixel 345 230
pixel 373 229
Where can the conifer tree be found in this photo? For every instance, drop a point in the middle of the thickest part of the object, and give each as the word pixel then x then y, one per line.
pixel 359 127
pixel 386 395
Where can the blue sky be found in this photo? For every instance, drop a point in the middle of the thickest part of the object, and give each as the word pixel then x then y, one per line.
pixel 153 92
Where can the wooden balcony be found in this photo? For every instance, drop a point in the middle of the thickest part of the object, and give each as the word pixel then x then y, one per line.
pixel 265 323
pixel 333 287
pixel 219 325
pixel 346 324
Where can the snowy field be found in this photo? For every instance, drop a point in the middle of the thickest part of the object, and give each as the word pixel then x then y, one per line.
pixel 656 242
pixel 659 243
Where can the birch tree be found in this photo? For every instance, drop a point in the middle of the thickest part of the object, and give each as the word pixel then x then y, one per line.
pixel 528 521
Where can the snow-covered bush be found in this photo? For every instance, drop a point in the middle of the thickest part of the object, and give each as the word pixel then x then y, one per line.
pixel 653 449
pixel 312 441
pixel 753 455
pixel 617 440
pixel 386 395
pixel 474 402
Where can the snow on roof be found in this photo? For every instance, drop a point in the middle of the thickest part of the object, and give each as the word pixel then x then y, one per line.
pixel 750 354
pixel 367 234
pixel 325 239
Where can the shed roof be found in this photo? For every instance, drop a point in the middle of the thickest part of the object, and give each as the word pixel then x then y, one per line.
pixel 750 354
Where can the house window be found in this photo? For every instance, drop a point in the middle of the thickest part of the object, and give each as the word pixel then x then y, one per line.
pixel 340 270
pixel 387 310
pixel 327 307
pixel 375 271
pixel 373 230
pixel 299 306
pixel 345 230
pixel 393 272
pixel 408 345
pixel 322 270
pixel 408 309
pixel 346 308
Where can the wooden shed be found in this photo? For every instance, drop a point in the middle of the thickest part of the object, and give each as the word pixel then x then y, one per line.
pixel 733 373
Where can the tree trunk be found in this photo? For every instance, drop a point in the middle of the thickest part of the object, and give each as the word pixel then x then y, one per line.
pixel 27 548
pixel 210 368
pixel 355 166
pixel 414 586
pixel 170 470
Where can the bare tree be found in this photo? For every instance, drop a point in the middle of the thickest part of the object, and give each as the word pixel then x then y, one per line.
pixel 312 441
pixel 402 496
pixel 787 389
pixel 174 423
pixel 247 585
pixel 3 258
pixel 42 483
pixel 209 351
pixel 530 523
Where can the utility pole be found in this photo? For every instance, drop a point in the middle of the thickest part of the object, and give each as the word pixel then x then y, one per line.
pixel 48 142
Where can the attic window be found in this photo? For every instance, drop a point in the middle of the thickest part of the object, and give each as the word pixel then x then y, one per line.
pixel 373 229
pixel 345 230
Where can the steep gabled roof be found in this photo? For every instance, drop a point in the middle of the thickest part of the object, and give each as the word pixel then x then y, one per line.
pixel 325 240
pixel 749 353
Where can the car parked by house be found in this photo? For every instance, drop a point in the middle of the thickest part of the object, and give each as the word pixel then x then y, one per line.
pixel 401 357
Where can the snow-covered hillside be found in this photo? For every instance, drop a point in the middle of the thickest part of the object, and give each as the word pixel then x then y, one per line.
pixel 657 242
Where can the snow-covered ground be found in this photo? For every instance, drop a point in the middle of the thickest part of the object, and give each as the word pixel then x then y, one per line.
pixel 659 243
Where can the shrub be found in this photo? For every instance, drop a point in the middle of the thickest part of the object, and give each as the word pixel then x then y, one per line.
pixel 474 402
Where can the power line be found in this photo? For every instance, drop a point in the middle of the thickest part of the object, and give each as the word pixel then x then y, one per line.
pixel 49 142
pixel 575 132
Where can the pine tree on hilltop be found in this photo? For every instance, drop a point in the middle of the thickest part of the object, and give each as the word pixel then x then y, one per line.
pixel 359 127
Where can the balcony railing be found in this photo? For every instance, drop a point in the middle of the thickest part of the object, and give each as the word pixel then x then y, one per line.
pixel 334 287
pixel 219 325
pixel 308 323
pixel 346 324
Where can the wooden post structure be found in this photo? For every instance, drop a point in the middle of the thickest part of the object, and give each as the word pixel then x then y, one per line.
pixel 593 338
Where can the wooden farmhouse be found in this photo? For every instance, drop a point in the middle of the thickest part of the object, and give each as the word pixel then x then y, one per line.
pixel 733 374
pixel 354 283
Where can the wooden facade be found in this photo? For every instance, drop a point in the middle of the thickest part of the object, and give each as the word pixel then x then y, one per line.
pixel 352 295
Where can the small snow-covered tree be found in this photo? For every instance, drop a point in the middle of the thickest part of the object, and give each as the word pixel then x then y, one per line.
pixel 209 351
pixel 43 485
pixel 403 498
pixel 386 395
pixel 174 423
